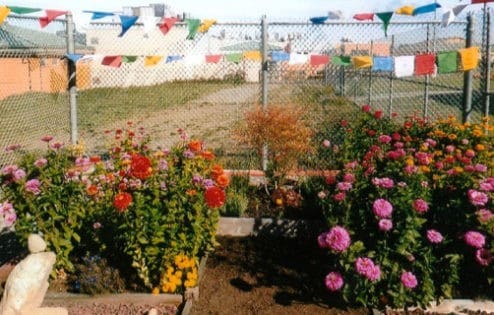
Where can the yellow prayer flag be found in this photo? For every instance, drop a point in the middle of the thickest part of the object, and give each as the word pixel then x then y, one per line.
pixel 4 12
pixel 206 24
pixel 469 58
pixel 252 55
pixel 152 60
pixel 405 10
pixel 361 62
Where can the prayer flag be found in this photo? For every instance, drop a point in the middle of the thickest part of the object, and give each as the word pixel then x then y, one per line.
pixel 252 55
pixel 450 15
pixel 173 58
pixel 405 10
pixel 50 16
pixel 317 60
pixel 4 12
pixel 404 66
pixel 318 19
pixel 112 61
pixel 234 57
pixel 341 60
pixel 426 8
pixel 194 59
pixel 167 25
pixel 152 60
pixel 129 59
pixel 447 62
pixel 73 57
pixel 384 64
pixel 362 62
pixel 335 15
pixel 385 17
pixel 481 1
pixel 298 59
pixel 22 10
pixel 280 56
pixel 99 14
pixel 469 58
pixel 206 24
pixel 127 22
pixel 425 64
pixel 149 23
pixel 364 16
pixel 193 26
pixel 213 58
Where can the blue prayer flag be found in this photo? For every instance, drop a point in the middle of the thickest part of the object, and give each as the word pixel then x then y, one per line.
pixel 382 64
pixel 280 56
pixel 98 14
pixel 127 22
pixel 173 58
pixel 426 8
pixel 319 19
pixel 73 57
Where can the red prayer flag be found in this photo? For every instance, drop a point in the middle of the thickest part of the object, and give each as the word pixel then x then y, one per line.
pixel 317 60
pixel 167 25
pixel 50 16
pixel 481 1
pixel 424 64
pixel 364 16
pixel 213 58
pixel 112 61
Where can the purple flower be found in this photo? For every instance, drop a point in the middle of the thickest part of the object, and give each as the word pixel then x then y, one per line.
pixel 32 186
pixel 420 205
pixel 333 281
pixel 366 267
pixel 382 208
pixel 408 280
pixel 483 256
pixel 434 236
pixel 385 225
pixel 207 182
pixel 188 154
pixel 40 162
pixel 162 165
pixel 196 179
pixel 474 239
pixel 338 239
pixel 477 198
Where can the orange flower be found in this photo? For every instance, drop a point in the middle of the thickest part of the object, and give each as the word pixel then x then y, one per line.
pixel 216 171
pixel 191 192
pixel 95 159
pixel 122 201
pixel 195 145
pixel 480 147
pixel 140 166
pixel 208 155
pixel 92 190
pixel 223 180
pixel 215 197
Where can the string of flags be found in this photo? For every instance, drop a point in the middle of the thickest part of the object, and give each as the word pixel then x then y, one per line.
pixel 464 59
pixel 196 25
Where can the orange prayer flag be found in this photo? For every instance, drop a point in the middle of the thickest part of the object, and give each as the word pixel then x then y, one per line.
pixel 206 24
pixel 361 62
pixel 152 60
pixel 252 55
pixel 4 12
pixel 405 10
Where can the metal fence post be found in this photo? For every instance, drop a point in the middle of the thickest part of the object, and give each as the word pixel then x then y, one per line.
pixel 391 83
pixel 468 75
pixel 426 81
pixel 264 82
pixel 72 78
pixel 369 98
pixel 487 87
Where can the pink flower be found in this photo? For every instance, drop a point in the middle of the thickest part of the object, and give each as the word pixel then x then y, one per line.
pixel 385 225
pixel 487 185
pixel 57 145
pixel 481 168
pixel 18 174
pixel 420 205
pixel 449 148
pixel 338 239
pixel 349 178
pixel 410 169
pixel 474 239
pixel 321 194
pixel 434 236
pixel 339 196
pixel 384 139
pixel 384 182
pixel 366 267
pixel 484 215
pixel 32 186
pixel 334 281
pixel 408 280
pixel 382 208
pixel 477 198
pixel 344 186
pixel 40 162
pixel 483 256
pixel 47 138
pixel 366 108
pixel 9 219
pixel 326 143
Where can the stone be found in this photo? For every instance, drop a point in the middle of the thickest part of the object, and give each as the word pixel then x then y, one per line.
pixel 36 244
pixel 153 311
pixel 27 283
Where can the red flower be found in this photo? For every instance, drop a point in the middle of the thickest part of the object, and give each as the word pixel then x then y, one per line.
pixel 122 201
pixel 140 167
pixel 378 114
pixel 46 138
pixel 195 145
pixel 215 197
pixel 366 108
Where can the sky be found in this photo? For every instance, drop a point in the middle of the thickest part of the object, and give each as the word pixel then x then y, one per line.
pixel 241 10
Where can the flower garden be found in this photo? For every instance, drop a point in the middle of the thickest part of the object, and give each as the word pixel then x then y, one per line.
pixel 408 209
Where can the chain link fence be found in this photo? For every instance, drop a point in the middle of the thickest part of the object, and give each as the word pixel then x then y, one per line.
pixel 165 82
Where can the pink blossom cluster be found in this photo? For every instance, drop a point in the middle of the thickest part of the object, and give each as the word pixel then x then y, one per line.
pixel 477 198
pixel 367 268
pixel 434 236
pixel 7 215
pixel 336 239
pixel 384 182
pixel 420 205
pixel 382 208
pixel 408 280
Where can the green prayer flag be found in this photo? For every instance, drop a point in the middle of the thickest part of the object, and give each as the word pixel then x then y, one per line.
pixel 447 62
pixel 235 57
pixel 385 17
pixel 22 10
pixel 193 25
pixel 341 60
pixel 129 59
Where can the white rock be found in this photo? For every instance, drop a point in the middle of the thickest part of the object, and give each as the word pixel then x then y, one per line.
pixel 36 244
pixel 153 311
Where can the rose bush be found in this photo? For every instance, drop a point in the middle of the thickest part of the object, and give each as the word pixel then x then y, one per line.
pixel 415 199
pixel 140 208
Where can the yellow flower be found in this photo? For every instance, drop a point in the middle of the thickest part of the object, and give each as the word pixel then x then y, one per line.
pixel 438 153
pixel 191 275
pixel 425 169
pixel 156 291
pixel 452 136
pixel 458 169
pixel 410 162
pixel 190 283
pixel 477 132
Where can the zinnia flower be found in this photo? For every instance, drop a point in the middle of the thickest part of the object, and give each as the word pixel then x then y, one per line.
pixel 434 236
pixel 474 239
pixel 215 197
pixel 334 281
pixel 408 280
pixel 40 162
pixel 477 198
pixel 338 239
pixel 122 201
pixel 385 225
pixel 32 186
pixel 366 267
pixel 382 208
pixel 140 166
pixel 195 145
pixel 420 205
pixel 483 256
